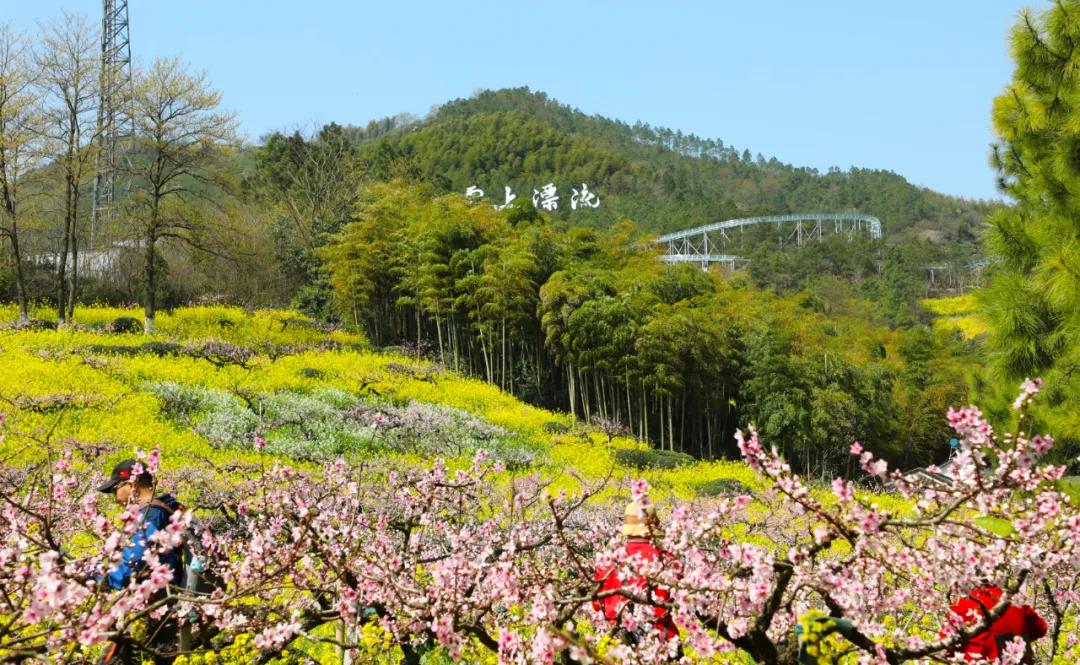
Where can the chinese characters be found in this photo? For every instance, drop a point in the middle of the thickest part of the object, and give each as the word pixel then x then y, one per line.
pixel 584 198
pixel 546 197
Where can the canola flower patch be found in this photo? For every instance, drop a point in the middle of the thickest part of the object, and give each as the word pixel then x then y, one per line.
pixel 212 379
pixel 958 313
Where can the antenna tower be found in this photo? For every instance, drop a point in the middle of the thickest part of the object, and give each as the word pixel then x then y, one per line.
pixel 115 123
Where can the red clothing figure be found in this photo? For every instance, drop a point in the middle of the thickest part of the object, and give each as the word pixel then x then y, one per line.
pixel 1014 622
pixel 638 586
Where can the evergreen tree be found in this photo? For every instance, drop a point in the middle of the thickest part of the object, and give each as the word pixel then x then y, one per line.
pixel 1034 301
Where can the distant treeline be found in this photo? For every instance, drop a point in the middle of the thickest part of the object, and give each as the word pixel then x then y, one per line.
pixel 663 179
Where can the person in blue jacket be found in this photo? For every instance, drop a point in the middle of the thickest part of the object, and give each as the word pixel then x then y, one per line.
pixel 155 513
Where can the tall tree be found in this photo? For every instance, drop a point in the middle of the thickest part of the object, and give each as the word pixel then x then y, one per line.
pixel 181 138
pixel 19 132
pixel 509 300
pixel 68 85
pixel 313 183
pixel 1034 300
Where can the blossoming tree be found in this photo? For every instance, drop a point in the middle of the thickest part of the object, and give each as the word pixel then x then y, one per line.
pixel 475 560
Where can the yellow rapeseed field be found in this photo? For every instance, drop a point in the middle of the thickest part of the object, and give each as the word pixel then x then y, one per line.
pixel 957 313
pixel 95 386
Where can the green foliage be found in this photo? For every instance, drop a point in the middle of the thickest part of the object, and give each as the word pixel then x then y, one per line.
pixel 125 324
pixel 311 185
pixel 722 487
pixel 663 179
pixel 1071 486
pixel 652 459
pixel 592 323
pixel 1033 302
pixel 997 525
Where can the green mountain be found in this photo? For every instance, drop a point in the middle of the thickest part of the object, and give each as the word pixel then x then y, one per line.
pixel 662 179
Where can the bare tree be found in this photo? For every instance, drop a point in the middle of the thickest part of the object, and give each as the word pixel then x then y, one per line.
pixel 69 85
pixel 19 133
pixel 181 138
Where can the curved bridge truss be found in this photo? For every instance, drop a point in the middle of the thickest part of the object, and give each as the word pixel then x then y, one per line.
pixel 710 244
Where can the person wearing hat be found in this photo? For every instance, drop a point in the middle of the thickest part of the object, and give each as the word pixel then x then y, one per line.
pixel 641 528
pixel 130 483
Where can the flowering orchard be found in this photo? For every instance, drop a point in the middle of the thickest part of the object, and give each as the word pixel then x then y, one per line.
pixel 372 561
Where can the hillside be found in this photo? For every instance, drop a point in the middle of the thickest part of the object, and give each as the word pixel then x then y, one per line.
pixel 214 380
pixel 660 178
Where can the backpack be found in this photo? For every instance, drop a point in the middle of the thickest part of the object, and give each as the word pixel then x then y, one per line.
pixel 196 561
pixel 197 576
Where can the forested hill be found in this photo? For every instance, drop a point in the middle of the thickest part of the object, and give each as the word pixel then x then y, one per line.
pixel 662 179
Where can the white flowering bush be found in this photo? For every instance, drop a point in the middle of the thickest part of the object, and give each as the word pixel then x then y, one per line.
pixel 328 421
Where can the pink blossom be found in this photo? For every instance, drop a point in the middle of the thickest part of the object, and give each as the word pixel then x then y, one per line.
pixel 1029 389
pixel 451 551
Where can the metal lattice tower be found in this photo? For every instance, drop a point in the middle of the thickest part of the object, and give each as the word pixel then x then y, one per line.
pixel 114 118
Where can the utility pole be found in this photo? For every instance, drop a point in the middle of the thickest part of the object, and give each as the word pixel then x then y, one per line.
pixel 114 117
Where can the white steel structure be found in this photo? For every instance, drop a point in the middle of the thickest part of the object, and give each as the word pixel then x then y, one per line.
pixel 709 244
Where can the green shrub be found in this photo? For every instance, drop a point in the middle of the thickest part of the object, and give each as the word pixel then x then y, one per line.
pixel 124 324
pixel 555 427
pixel 721 487
pixel 178 402
pixel 229 423
pixel 332 421
pixel 162 349
pixel 652 459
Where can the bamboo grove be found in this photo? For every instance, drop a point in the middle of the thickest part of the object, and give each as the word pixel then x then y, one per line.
pixel 592 323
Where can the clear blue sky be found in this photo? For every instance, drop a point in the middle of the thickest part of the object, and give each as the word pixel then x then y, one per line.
pixel 904 86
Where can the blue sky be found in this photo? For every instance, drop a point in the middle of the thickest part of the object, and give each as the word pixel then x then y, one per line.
pixel 900 86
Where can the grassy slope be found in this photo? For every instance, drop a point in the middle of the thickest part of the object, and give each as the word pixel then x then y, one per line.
pixel 114 407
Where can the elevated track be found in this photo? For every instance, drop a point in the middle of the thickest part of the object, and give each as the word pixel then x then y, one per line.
pixel 708 245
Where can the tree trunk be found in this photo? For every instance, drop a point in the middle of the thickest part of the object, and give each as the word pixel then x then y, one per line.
pixel 454 338
pixel 485 356
pixel 658 406
pixel 61 261
pixel 708 434
pixel 510 368
pixel 502 361
pixel 418 329
pixel 17 268
pixel 150 267
pixel 571 389
pixel 586 399
pixel 643 429
pixel 438 334
pixel 73 284
pixel 670 425
pixel 682 421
